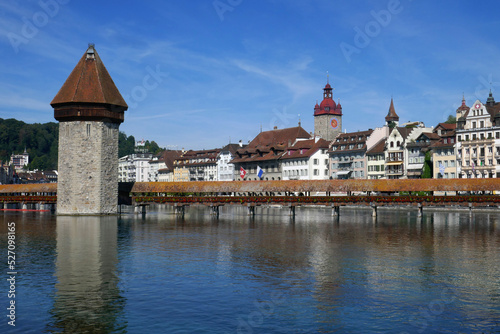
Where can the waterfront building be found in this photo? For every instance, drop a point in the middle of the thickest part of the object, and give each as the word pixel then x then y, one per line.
pixel 443 152
pixel 135 167
pixel 200 165
pixel 89 109
pixel 375 160
pixel 306 159
pixel 225 168
pixel 162 166
pixel 416 150
pixel 327 116
pixel 401 145
pixel 478 139
pixel 260 159
pixel 348 155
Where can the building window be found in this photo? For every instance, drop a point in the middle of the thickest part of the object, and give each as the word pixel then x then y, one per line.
pixel 473 125
pixel 316 172
pixel 316 161
pixel 481 124
pixel 88 130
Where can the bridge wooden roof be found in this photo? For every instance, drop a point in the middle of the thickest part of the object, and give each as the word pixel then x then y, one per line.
pixel 319 186
pixel 28 188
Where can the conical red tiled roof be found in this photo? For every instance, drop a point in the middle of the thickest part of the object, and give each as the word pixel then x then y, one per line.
pixel 89 82
pixel 391 115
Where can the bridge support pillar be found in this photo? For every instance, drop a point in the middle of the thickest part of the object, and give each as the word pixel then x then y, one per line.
pixel 292 211
pixel 251 210
pixel 24 206
pixel 470 209
pixel 335 210
pixel 214 210
pixel 420 209
pixel 374 209
pixel 180 210
pixel 1 206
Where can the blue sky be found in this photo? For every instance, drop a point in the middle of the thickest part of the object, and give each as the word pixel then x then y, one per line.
pixel 199 73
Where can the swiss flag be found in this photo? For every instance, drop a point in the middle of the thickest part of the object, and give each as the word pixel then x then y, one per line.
pixel 242 172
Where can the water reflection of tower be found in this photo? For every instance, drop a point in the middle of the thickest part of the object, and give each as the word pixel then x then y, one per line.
pixel 87 295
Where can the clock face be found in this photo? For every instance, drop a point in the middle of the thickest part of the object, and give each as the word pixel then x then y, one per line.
pixel 334 123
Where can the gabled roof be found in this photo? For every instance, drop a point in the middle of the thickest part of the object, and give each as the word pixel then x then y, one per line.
pixel 403 131
pixel 305 148
pixel 378 147
pixel 232 148
pixel 446 126
pixel 89 82
pixel 169 156
pixel 268 144
pixel 351 138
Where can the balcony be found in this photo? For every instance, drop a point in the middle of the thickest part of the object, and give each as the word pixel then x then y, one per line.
pixel 394 172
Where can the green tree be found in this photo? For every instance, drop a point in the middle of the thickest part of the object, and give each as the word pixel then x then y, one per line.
pixel 451 119
pixel 427 169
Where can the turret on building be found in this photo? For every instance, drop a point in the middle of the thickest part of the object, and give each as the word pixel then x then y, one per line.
pixel 392 119
pixel 89 109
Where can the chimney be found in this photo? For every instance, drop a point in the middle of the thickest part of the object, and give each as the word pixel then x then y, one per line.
pixel 275 127
pixel 241 143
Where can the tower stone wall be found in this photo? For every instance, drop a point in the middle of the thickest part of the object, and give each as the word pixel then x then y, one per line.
pixel 88 168
pixel 324 129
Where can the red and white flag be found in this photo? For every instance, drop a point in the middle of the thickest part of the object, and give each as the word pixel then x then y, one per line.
pixel 242 172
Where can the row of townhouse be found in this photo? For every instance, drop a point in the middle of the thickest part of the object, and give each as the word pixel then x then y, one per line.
pixel 469 148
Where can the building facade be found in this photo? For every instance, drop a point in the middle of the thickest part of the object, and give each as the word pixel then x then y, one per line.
pixel 19 161
pixel 264 152
pixel 306 159
pixel 443 152
pixel 348 155
pixel 225 168
pixel 197 165
pixel 478 139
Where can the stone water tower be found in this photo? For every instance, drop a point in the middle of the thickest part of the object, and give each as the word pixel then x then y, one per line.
pixel 89 109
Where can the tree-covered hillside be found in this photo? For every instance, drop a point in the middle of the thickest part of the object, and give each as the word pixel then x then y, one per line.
pixel 39 140
pixel 41 143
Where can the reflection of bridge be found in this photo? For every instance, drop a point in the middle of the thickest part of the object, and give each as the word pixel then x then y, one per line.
pixel 374 193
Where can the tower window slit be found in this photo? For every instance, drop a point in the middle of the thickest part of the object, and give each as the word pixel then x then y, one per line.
pixel 88 130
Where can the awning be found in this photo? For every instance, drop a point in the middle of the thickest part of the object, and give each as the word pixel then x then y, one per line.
pixel 343 172
pixel 394 163
pixel 416 166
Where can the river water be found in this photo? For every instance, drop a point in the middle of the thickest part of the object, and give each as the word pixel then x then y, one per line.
pixel 270 274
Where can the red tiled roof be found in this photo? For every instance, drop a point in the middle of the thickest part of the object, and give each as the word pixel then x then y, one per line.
pixel 305 148
pixel 378 147
pixel 392 116
pixel 89 82
pixel 268 144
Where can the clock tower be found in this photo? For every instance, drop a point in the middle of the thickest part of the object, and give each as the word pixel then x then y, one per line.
pixel 327 116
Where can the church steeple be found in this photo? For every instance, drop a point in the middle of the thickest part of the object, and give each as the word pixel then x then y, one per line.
pixel 392 117
pixel 491 100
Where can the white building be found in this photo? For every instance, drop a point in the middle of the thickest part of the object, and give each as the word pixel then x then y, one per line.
pixel 134 167
pixel 18 161
pixel 307 159
pixel 225 169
